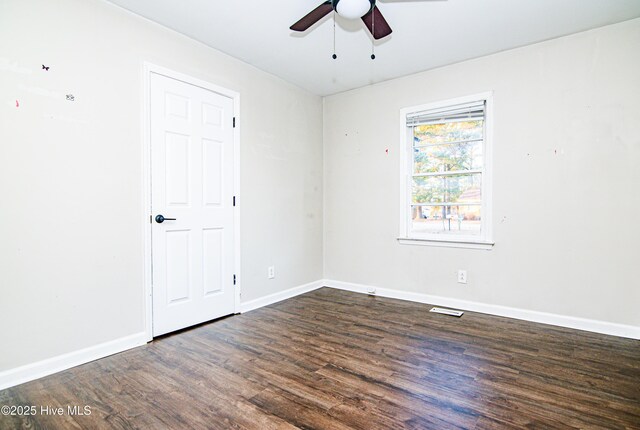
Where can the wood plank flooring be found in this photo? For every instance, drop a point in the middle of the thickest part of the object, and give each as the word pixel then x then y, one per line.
pixel 331 359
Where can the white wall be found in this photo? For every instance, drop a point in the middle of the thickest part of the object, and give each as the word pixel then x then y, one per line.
pixel 71 261
pixel 566 205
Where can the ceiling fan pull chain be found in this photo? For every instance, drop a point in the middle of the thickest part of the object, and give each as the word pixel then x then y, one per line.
pixel 373 31
pixel 334 56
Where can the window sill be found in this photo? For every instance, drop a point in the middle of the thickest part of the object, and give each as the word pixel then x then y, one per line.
pixel 447 243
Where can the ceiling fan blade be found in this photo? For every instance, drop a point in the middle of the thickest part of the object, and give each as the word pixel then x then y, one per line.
pixel 312 17
pixel 381 28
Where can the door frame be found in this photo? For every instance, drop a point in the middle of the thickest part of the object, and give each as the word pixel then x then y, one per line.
pixel 147 69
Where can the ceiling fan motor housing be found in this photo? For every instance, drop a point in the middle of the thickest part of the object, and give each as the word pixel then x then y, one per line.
pixel 353 9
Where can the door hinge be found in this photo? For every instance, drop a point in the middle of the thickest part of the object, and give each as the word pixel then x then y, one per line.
pixel 234 122
pixel 150 219
pixel 234 279
pixel 234 200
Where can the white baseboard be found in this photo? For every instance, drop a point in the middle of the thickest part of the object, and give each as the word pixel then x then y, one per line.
pixel 595 326
pixel 29 372
pixel 279 296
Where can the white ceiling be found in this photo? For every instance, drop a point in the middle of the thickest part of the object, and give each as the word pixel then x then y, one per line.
pixel 427 34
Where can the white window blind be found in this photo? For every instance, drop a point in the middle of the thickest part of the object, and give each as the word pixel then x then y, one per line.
pixel 461 112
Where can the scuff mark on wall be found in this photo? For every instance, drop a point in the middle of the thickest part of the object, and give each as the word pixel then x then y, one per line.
pixel 40 91
pixel 63 118
pixel 7 65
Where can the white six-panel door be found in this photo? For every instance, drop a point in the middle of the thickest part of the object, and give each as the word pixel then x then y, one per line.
pixel 191 181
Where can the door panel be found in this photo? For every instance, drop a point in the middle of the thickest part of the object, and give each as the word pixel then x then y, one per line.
pixel 177 169
pixel 191 181
pixel 178 265
pixel 213 248
pixel 212 159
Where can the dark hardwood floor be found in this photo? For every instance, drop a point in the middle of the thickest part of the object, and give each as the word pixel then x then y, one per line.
pixel 337 360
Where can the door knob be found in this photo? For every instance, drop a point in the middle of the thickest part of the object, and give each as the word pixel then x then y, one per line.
pixel 160 219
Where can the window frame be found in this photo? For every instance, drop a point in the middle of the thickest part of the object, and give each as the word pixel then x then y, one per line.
pixel 406 237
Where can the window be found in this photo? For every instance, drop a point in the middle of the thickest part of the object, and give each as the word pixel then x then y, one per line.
pixel 445 159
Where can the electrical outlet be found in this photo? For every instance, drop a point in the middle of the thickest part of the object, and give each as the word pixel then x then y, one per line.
pixel 271 272
pixel 462 276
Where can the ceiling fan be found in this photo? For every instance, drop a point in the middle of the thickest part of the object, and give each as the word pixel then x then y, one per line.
pixel 350 9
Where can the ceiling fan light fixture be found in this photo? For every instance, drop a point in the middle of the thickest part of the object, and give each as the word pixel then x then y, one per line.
pixel 353 9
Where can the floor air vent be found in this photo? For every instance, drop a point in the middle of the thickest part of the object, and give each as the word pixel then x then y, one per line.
pixel 444 311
